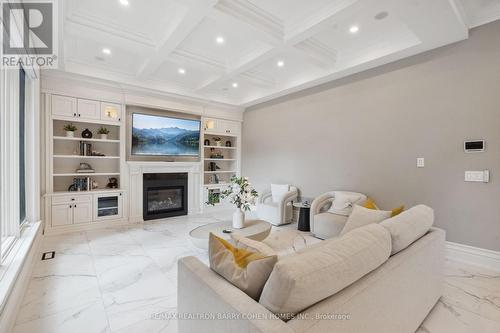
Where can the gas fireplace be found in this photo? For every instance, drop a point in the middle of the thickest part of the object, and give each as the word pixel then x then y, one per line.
pixel 165 195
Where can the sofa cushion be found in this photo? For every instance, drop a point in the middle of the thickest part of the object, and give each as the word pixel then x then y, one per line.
pixel 328 225
pixel 409 226
pixel 303 279
pixel 244 269
pixel 362 216
pixel 278 191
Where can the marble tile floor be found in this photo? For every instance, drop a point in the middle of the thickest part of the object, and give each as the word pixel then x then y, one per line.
pixel 114 280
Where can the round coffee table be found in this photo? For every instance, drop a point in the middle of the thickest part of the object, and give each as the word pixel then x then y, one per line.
pixel 254 229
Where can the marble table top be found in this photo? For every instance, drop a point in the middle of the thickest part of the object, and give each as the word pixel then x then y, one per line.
pixel 254 229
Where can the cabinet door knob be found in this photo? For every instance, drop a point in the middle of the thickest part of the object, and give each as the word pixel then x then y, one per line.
pixel 74 114
pixel 72 199
pixel 74 206
pixel 119 119
pixel 79 115
pixel 70 206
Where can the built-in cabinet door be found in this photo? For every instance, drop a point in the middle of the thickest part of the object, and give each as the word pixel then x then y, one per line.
pixel 62 215
pixel 111 112
pixel 229 127
pixel 89 109
pixel 63 106
pixel 82 212
pixel 220 126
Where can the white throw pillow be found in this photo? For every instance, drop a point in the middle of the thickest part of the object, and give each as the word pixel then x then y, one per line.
pixel 409 226
pixel 362 216
pixel 278 191
pixel 343 203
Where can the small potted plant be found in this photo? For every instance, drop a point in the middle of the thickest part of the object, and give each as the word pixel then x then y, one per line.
pixel 218 141
pixel 103 132
pixel 213 198
pixel 70 130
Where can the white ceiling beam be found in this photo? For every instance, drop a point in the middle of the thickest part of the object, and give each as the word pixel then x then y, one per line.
pixel 245 11
pixel 182 27
pixel 94 25
pixel 182 55
pixel 317 52
pixel 258 79
pixel 73 29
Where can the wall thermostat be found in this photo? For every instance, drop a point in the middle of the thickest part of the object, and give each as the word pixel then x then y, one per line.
pixel 474 146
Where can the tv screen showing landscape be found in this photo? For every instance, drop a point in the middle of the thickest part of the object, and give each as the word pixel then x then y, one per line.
pixel 164 136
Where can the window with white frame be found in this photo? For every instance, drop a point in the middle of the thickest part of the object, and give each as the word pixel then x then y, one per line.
pixel 16 109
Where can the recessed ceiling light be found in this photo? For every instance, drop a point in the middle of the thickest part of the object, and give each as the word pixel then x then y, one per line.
pixel 124 2
pixel 220 40
pixel 353 29
pixel 106 51
pixel 181 71
pixel 235 84
pixel 280 63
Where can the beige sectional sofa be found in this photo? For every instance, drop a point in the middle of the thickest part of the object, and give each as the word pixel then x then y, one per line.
pixel 354 283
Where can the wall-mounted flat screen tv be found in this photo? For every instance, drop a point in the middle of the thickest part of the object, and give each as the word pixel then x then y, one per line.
pixel 155 135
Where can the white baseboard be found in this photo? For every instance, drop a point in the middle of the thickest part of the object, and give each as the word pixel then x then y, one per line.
pixel 85 227
pixel 473 255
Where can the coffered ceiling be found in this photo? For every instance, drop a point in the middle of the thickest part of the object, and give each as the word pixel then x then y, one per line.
pixel 243 52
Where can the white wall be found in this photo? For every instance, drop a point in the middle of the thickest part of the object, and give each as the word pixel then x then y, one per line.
pixel 365 132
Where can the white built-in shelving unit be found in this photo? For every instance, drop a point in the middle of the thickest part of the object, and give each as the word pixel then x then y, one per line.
pixel 67 209
pixel 221 156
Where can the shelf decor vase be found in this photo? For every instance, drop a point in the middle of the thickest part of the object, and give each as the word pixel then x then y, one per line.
pixel 104 136
pixel 238 219
pixel 70 134
pixel 87 134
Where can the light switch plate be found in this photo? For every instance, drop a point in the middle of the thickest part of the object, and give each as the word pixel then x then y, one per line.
pixel 420 162
pixel 477 176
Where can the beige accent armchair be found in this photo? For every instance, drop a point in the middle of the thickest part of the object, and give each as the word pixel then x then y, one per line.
pixel 325 224
pixel 277 212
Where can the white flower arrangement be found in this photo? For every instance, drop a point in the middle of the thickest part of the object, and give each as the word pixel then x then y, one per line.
pixel 240 193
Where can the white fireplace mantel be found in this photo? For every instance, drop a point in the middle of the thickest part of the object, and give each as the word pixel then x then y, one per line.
pixel 138 168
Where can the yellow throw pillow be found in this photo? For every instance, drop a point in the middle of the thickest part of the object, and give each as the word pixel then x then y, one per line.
pixel 397 211
pixel 370 204
pixel 245 269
